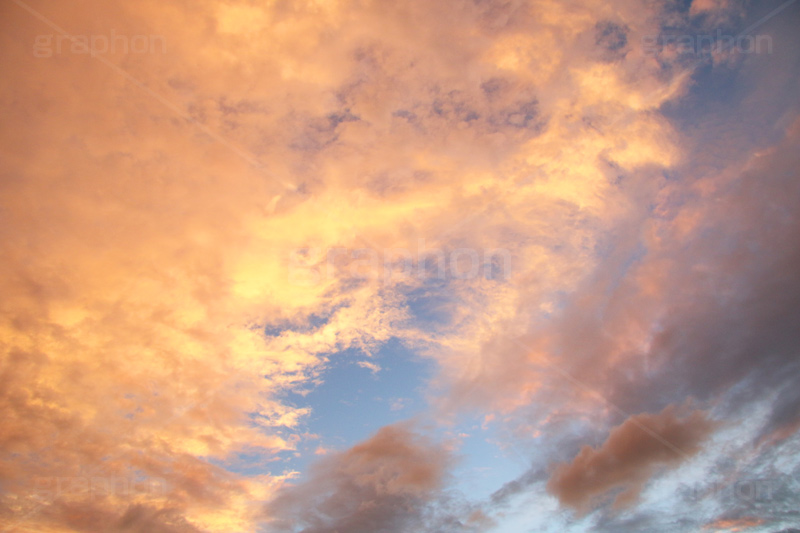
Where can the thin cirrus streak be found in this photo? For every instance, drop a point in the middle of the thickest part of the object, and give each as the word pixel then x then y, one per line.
pixel 416 266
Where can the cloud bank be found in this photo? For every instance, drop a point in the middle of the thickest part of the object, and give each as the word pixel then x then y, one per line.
pixel 195 237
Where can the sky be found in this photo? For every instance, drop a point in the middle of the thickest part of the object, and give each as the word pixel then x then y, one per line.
pixel 362 266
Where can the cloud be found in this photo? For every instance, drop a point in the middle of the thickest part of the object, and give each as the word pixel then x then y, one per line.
pixel 699 6
pixel 389 482
pixel 165 283
pixel 742 524
pixel 86 517
pixel 693 296
pixel 629 457
pixel 372 367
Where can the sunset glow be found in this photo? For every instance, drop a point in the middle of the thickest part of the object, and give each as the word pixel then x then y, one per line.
pixel 364 266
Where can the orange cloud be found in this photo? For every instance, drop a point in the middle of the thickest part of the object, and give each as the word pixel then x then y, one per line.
pixel 149 227
pixel 741 524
